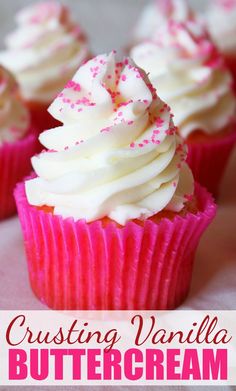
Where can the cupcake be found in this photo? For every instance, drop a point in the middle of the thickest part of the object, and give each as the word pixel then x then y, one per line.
pixel 159 12
pixel 17 142
pixel 191 77
pixel 221 22
pixel 111 221
pixel 43 54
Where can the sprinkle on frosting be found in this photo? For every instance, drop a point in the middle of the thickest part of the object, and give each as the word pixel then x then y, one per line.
pixel 117 152
pixel 190 75
pixel 14 117
pixel 45 50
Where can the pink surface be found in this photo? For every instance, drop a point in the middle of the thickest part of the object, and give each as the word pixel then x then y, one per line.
pixel 15 164
pixel 214 279
pixel 75 265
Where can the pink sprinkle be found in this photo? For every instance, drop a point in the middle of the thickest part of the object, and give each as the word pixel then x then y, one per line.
pixel 130 122
pixel 141 145
pixel 51 150
pixel 120 114
pixel 132 145
pixel 188 197
pixel 107 129
pixel 159 121
pixel 123 78
pixel 72 84
pixel 179 148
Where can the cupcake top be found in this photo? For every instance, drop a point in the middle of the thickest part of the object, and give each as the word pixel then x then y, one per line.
pixel 159 12
pixel 221 21
pixel 116 154
pixel 14 117
pixel 45 50
pixel 190 75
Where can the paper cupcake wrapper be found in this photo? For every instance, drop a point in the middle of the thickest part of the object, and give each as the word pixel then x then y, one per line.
pixel 15 164
pixel 208 161
pixel 76 265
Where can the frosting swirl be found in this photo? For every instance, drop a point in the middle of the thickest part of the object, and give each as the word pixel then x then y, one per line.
pixel 221 22
pixel 45 51
pixel 116 154
pixel 14 117
pixel 159 12
pixel 190 76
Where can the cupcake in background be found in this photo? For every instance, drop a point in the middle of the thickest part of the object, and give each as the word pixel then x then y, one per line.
pixel 190 75
pixel 159 12
pixel 111 220
pixel 43 54
pixel 221 23
pixel 17 142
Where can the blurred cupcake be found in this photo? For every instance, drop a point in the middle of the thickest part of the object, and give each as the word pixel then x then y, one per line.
pixel 190 75
pixel 17 142
pixel 111 220
pixel 43 54
pixel 159 12
pixel 221 22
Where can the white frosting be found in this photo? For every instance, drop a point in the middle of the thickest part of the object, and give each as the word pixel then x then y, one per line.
pixel 45 51
pixel 189 75
pixel 116 154
pixel 159 12
pixel 14 117
pixel 221 21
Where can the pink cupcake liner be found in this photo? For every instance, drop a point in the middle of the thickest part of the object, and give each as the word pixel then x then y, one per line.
pixel 76 265
pixel 231 64
pixel 15 164
pixel 208 161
